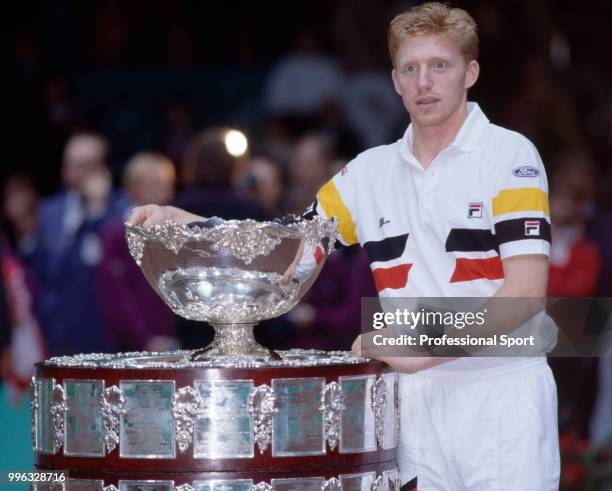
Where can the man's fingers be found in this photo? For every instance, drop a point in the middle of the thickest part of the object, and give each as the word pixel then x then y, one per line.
pixel 155 217
pixel 139 215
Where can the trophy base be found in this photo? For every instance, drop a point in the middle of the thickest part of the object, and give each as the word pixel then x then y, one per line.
pixel 232 341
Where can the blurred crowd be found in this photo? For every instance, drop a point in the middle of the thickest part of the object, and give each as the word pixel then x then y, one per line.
pixel 115 104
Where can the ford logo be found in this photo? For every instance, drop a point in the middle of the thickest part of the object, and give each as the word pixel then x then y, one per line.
pixel 526 171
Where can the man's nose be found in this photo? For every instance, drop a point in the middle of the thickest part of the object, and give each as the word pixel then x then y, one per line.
pixel 424 79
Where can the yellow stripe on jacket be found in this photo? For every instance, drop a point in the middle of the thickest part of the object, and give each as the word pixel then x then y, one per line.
pixel 520 199
pixel 333 206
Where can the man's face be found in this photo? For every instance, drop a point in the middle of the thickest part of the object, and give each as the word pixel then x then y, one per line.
pixel 432 77
pixel 82 159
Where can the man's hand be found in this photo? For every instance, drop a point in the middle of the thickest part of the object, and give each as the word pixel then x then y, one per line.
pixel 149 215
pixel 404 364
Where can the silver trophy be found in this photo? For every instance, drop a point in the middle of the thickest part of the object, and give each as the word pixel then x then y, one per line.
pixel 232 273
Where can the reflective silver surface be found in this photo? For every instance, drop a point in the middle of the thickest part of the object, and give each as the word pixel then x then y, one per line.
pixel 297 427
pixel 358 482
pixel 83 432
pixel 146 485
pixel 44 419
pixel 84 485
pixel 298 484
pixel 379 406
pixel 223 425
pixel 231 271
pixel 147 427
pixel 223 485
pixel 389 436
pixel 227 295
pixel 391 480
pixel 357 429
pixel 332 484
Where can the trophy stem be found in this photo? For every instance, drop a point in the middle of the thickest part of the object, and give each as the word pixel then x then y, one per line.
pixel 234 340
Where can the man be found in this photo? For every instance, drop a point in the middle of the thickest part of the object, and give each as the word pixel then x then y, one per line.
pixel 67 248
pixel 456 208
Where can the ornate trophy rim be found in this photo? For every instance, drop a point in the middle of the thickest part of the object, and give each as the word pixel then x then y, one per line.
pixel 237 293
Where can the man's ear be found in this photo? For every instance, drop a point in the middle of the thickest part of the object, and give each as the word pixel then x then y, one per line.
pixel 471 75
pixel 395 83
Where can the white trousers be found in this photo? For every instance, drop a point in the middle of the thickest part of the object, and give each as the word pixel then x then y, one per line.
pixel 494 429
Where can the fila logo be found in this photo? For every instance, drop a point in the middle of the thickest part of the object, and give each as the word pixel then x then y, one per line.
pixel 382 222
pixel 475 210
pixel 532 227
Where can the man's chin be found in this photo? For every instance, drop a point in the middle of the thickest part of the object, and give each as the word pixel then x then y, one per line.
pixel 427 120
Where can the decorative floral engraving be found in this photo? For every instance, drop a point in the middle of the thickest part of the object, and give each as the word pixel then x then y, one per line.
pixel 182 359
pixel 261 407
pixel 245 241
pixel 377 484
pixel 113 406
pixel 58 408
pixel 185 487
pixel 242 239
pixel 332 484
pixel 186 403
pixel 261 486
pixel 172 235
pixel 379 401
pixel 332 405
pixel 136 243
pixel 33 410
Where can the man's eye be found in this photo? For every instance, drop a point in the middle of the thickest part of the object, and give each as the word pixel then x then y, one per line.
pixel 411 68
pixel 440 66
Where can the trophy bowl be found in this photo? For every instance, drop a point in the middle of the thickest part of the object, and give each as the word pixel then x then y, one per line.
pixel 232 273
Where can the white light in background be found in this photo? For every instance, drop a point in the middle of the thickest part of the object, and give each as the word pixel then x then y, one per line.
pixel 236 143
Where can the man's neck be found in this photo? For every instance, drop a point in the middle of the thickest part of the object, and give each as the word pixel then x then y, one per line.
pixel 429 141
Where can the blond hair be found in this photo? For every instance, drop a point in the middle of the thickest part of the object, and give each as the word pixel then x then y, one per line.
pixel 143 162
pixel 435 18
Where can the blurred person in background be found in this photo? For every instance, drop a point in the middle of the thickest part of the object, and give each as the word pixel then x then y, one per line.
pixel 265 182
pixel 575 262
pixel 309 167
pixel 368 101
pixel 135 317
pixel 209 176
pixel 305 82
pixel 575 265
pixel 20 209
pixel 21 345
pixel 67 248
pixel 21 341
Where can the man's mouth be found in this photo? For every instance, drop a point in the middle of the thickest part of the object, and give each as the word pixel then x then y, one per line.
pixel 426 101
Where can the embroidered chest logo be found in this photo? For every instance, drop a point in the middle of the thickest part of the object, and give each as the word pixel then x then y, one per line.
pixel 344 171
pixel 532 227
pixel 475 209
pixel 382 222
